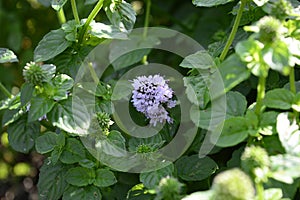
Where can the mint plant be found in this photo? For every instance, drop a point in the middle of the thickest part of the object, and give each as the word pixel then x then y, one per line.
pixel 67 106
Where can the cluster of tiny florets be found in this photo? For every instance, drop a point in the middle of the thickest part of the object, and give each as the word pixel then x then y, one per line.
pixel 150 96
pixel 33 73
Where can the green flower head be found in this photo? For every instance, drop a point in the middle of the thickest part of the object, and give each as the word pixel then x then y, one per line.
pixel 104 121
pixel 169 188
pixel 233 184
pixel 37 74
pixel 281 9
pixel 33 73
pixel 270 29
pixel 256 163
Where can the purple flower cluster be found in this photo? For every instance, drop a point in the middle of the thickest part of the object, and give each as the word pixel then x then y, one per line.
pixel 150 95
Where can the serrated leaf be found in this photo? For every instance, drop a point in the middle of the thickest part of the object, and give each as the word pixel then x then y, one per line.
pixel 10 103
pixel 80 193
pixel 62 84
pixel 151 179
pixel 80 176
pixel 73 152
pixel 21 135
pixel 51 45
pixel 193 168
pixel 58 4
pixel 7 55
pixel 234 131
pixel 101 31
pixel 26 93
pixel 233 72
pixel 236 104
pixel 121 14
pixel 104 178
pixel 40 106
pixel 279 98
pixel 197 90
pixel 10 116
pixel 52 182
pixel 70 116
pixel 198 60
pixel 48 141
pixel 210 3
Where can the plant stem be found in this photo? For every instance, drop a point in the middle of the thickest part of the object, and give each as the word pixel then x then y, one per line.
pixel 93 73
pixel 259 191
pixel 292 80
pixel 5 91
pixel 92 15
pixel 234 30
pixel 74 10
pixel 61 16
pixel 261 87
pixel 146 25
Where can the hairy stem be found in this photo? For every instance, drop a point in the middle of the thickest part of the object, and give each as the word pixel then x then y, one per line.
pixel 5 91
pixel 261 87
pixel 74 10
pixel 146 25
pixel 61 16
pixel 234 30
pixel 90 18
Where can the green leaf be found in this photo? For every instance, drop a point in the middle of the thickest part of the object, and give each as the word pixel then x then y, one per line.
pixel 104 178
pixel 267 124
pixel 80 193
pixel 70 28
pixel 10 103
pixel 234 131
pixel 7 55
pixel 198 60
pixel 101 31
pixel 273 194
pixel 52 181
pixel 289 134
pixel 197 90
pixel 73 152
pixel 48 141
pixel 116 138
pixel 10 116
pixel 151 179
pixel 49 71
pixel 285 168
pixel 80 176
pixel 279 98
pixel 296 104
pixel 203 195
pixel 51 45
pixel 236 104
pixel 26 93
pixel 62 84
pixel 277 57
pixel 250 53
pixel 58 4
pixel 260 2
pixel 70 116
pixel 210 3
pixel 40 106
pixel 121 14
pixel 233 72
pixel 21 135
pixel 193 168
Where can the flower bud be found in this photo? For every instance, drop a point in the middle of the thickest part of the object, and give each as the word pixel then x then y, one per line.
pixel 33 73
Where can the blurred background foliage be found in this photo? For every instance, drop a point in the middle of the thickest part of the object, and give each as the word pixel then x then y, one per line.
pixel 23 23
